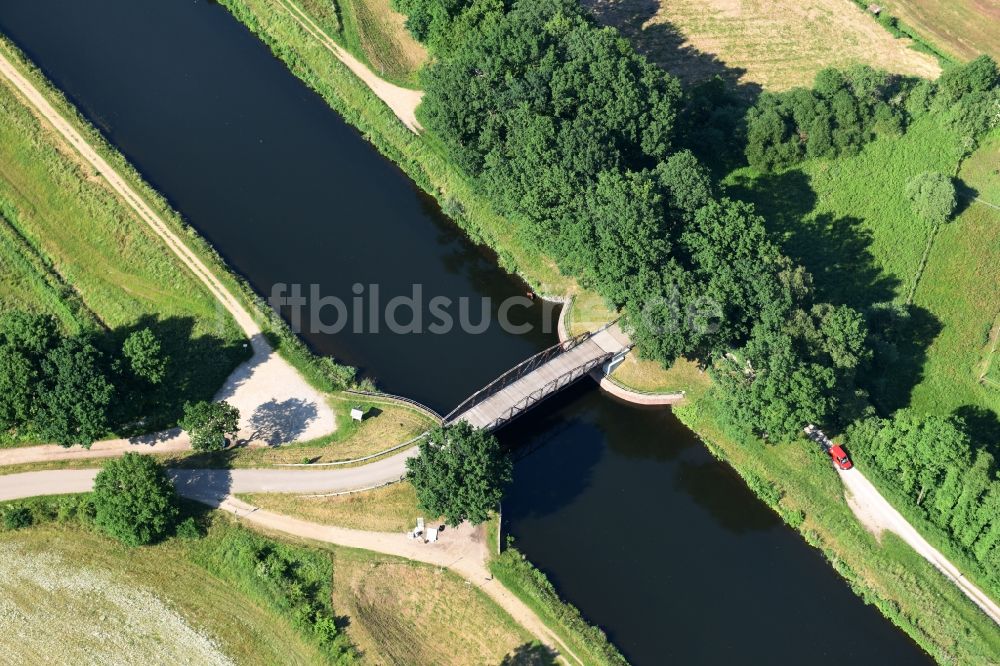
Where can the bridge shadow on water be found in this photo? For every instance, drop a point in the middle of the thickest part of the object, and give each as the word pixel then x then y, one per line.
pixel 562 446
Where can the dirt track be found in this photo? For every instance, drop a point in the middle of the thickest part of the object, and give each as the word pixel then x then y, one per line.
pixel 402 101
pixel 876 514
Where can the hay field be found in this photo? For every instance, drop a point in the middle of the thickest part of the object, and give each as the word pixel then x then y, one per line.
pixel 71 596
pixel 774 45
pixel 404 612
pixel 962 28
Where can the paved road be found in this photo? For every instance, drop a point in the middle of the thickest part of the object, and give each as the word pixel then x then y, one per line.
pixel 213 485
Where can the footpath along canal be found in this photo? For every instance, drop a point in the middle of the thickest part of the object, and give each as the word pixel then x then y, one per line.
pixel 636 524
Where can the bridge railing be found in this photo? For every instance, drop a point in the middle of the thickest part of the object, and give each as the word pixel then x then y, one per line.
pixel 550 387
pixel 389 397
pixel 517 372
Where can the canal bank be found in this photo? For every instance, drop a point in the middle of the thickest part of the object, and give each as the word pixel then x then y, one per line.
pixel 680 631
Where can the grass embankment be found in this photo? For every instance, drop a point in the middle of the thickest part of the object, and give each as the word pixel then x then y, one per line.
pixel 774 45
pixel 388 509
pixel 323 373
pixel 71 248
pixel 530 585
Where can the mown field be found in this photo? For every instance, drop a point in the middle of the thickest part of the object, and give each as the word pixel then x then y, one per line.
pixel 70 248
pixel 376 32
pixel 774 45
pixel 110 603
pixel 233 597
pixel 963 28
pixel 403 612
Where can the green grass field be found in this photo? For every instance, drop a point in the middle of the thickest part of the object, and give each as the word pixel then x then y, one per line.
pixel 849 223
pixel 71 248
pixel 959 286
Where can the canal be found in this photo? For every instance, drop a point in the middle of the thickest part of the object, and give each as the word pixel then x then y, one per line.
pixel 622 507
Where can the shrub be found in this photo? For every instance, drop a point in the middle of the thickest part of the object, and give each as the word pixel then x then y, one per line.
pixel 932 196
pixel 144 353
pixel 17 517
pixel 189 529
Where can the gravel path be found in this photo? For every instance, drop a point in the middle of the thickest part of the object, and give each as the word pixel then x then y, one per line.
pixel 876 514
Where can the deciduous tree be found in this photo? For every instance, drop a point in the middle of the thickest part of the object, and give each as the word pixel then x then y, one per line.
pixel 134 501
pixel 460 473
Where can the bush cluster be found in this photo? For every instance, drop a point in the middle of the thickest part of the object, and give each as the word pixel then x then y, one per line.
pixel 844 110
pixel 295 581
pixel 931 462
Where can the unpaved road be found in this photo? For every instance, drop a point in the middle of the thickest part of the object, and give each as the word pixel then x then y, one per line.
pixel 402 101
pixel 276 404
pixel 875 513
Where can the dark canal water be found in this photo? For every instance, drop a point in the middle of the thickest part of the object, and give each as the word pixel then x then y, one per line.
pixel 622 507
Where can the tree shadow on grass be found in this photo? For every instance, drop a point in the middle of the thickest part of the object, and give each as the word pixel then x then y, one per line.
pixel 198 366
pixel 837 253
pixel 900 341
pixel 983 428
pixel 835 250
pixel 530 654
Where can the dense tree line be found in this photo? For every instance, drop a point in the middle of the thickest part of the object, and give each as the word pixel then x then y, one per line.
pixel 844 110
pixel 930 460
pixel 60 388
pixel 840 114
pixel 574 138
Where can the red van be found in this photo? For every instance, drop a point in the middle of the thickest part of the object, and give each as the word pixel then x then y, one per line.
pixel 840 458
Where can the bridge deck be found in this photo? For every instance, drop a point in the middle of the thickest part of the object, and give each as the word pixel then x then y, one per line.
pixel 599 346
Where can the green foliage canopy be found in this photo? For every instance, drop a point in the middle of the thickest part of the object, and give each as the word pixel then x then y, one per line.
pixel 145 356
pixel 460 473
pixel 134 501
pixel 208 423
